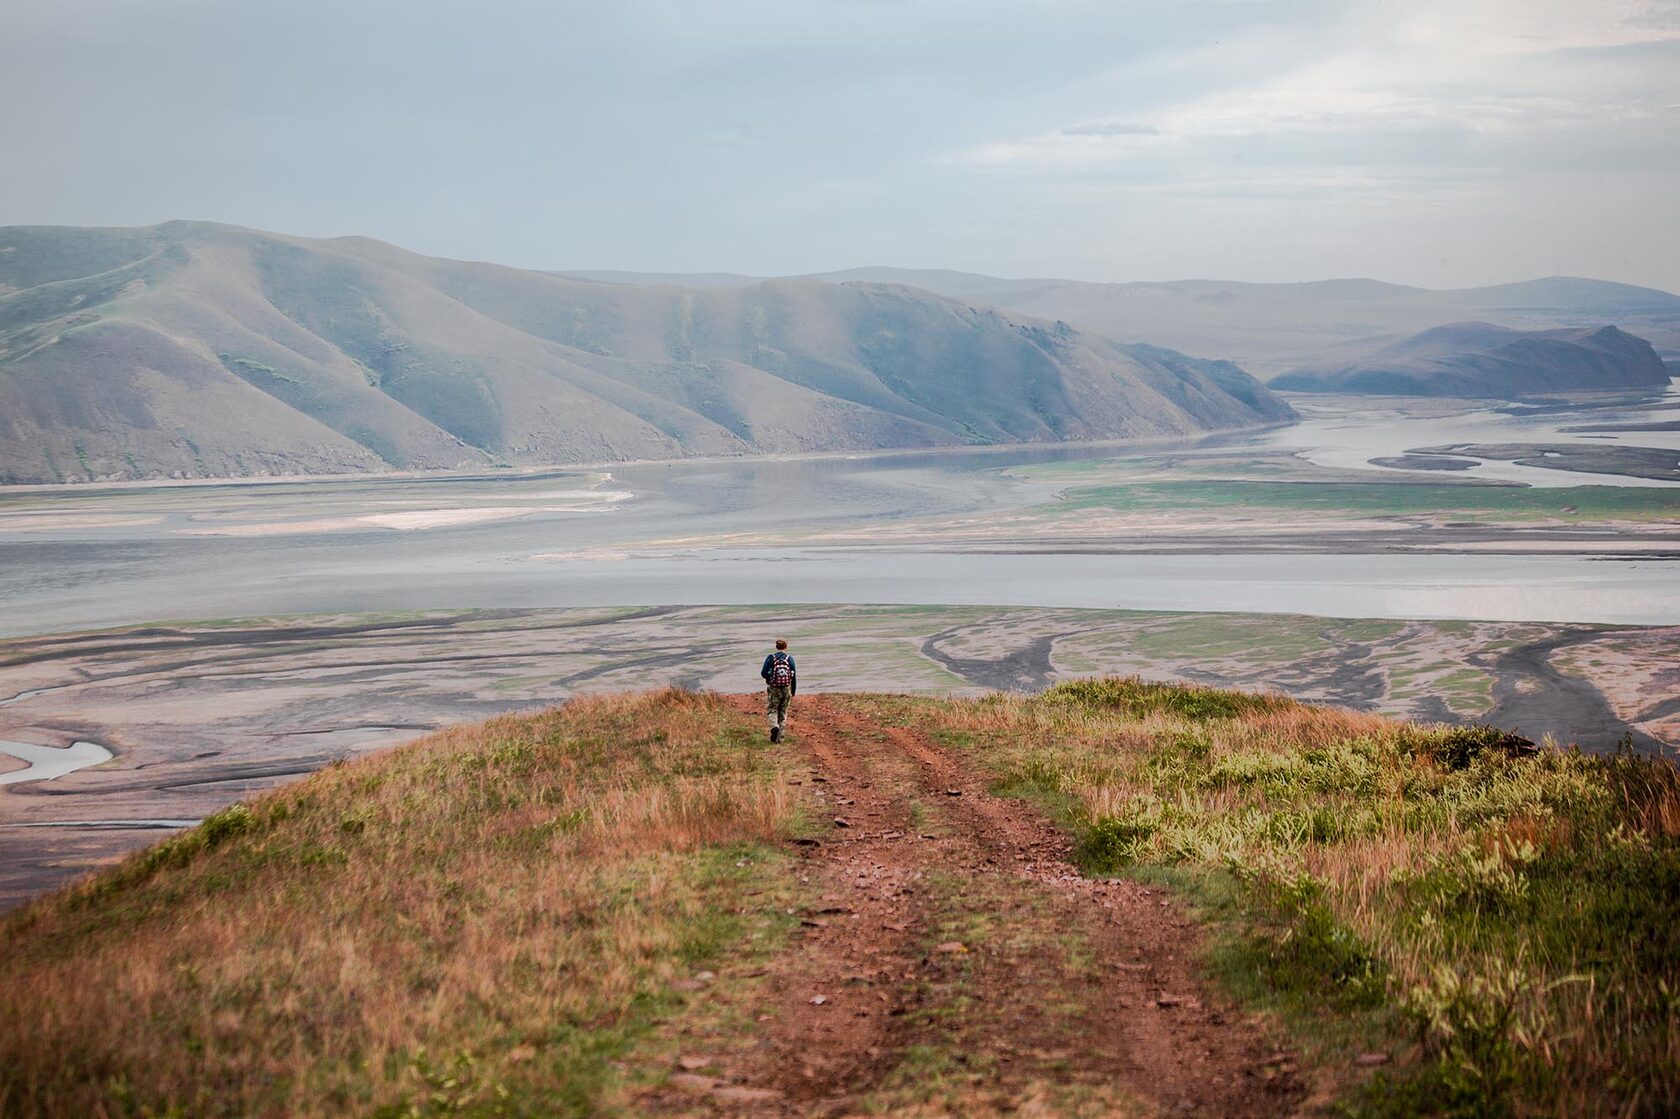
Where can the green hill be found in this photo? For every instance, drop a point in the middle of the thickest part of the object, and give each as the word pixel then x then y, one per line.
pixel 1111 898
pixel 194 350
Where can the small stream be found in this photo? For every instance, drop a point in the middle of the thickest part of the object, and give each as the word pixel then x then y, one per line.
pixel 21 696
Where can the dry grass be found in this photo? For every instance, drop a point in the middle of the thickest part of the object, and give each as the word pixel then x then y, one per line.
pixel 472 920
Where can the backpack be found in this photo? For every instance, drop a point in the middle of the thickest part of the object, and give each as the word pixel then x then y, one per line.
pixel 781 671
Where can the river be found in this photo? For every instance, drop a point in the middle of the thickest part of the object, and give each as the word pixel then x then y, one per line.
pixel 89 557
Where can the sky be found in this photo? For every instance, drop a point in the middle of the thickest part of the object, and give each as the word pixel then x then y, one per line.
pixel 1445 143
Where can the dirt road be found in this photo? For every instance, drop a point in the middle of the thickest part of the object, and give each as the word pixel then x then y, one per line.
pixel 955 940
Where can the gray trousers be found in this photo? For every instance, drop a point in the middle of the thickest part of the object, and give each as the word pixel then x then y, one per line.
pixel 776 702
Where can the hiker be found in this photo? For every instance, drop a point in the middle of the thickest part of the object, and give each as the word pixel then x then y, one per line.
pixel 781 682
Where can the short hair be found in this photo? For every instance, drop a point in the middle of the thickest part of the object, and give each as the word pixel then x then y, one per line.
pixel 781 643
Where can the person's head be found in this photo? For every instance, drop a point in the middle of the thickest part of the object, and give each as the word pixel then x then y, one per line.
pixel 781 644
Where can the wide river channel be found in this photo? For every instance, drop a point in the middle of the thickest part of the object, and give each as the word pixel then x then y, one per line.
pixel 87 558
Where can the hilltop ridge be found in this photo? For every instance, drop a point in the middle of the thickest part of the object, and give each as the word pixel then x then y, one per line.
pixel 1121 896
pixel 1271 328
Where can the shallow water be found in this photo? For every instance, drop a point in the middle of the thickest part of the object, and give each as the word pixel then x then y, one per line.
pixel 47 762
pixel 1346 433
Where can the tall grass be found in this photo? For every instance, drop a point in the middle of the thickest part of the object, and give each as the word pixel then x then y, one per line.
pixel 1506 921
pixel 475 923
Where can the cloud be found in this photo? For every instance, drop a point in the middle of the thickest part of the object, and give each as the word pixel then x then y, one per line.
pixel 1434 90
pixel 1103 138
pixel 1109 128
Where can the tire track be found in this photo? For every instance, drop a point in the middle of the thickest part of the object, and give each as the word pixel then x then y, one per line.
pixel 1080 982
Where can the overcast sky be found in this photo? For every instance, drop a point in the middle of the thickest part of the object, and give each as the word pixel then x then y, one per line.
pixel 1435 142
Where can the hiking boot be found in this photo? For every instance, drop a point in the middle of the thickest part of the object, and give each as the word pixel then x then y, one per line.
pixel 775 734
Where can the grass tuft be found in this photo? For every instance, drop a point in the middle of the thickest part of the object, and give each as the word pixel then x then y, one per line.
pixel 1138 698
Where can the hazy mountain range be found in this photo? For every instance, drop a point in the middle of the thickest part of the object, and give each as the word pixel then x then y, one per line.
pixel 1478 359
pixel 192 349
pixel 1270 329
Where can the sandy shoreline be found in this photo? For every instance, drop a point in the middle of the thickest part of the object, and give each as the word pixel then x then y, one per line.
pixel 410 520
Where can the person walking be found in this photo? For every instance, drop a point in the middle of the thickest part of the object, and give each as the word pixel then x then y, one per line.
pixel 781 683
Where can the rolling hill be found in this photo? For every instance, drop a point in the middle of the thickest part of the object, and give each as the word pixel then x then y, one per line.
pixel 1477 359
pixel 191 349
pixel 1270 329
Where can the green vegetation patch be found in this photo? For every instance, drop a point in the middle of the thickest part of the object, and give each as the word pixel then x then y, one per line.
pixel 1138 698
pixel 1581 503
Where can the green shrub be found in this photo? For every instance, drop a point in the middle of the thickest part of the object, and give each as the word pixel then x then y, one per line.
pixel 1106 845
pixel 1469 1023
pixel 1138 698
pixel 219 827
pixel 1457 747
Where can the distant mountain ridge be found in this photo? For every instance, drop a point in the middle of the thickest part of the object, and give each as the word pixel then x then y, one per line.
pixel 192 349
pixel 1269 329
pixel 1477 359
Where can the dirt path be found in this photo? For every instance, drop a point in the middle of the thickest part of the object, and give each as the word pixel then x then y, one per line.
pixel 955 940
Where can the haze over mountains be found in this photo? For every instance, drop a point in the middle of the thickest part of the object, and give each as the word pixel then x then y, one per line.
pixel 1270 329
pixel 1478 359
pixel 192 350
